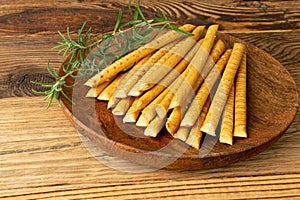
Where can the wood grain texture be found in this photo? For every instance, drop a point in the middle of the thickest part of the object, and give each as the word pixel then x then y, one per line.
pixel 15 80
pixel 24 60
pixel 40 160
pixel 33 17
pixel 28 31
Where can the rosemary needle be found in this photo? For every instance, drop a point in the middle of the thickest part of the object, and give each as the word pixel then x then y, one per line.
pixel 79 65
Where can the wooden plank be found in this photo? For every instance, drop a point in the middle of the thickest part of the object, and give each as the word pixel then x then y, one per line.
pixel 36 17
pixel 28 31
pixel 39 159
pixel 36 50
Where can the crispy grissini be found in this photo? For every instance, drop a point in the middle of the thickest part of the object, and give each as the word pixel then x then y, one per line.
pixel 166 63
pixel 195 134
pixel 134 56
pixel 137 73
pixel 197 64
pixel 142 101
pixel 240 101
pixel 222 93
pixel 226 133
pixel 205 90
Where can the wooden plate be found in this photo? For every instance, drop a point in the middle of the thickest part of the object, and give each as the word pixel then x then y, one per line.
pixel 272 105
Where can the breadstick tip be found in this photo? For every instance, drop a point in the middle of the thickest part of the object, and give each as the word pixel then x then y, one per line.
pixel 208 128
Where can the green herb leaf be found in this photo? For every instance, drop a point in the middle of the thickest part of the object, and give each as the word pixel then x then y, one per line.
pixel 139 11
pixel 118 21
pixel 175 28
pixel 78 65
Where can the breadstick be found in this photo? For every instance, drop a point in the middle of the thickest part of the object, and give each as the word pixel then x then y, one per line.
pixel 148 113
pixel 197 64
pixel 220 98
pixel 195 134
pixel 173 122
pixel 155 126
pixel 121 91
pixel 162 108
pixel 133 112
pixel 205 90
pixel 139 72
pixel 194 137
pixel 142 101
pixel 215 54
pixel 112 102
pixel 95 91
pixel 240 101
pixel 108 91
pixel 182 133
pixel 122 107
pixel 164 105
pixel 226 134
pixel 166 63
pixel 178 81
pixel 143 121
pixel 131 58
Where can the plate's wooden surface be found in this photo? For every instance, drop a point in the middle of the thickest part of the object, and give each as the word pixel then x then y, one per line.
pixel 272 104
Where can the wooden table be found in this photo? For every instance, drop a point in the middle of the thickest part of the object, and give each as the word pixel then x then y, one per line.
pixel 41 154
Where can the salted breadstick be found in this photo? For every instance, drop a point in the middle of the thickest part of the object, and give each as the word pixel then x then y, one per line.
pixel 112 102
pixel 142 101
pixel 194 137
pixel 215 54
pixel 155 126
pixel 226 134
pixel 182 133
pixel 240 101
pixel 195 134
pixel 139 72
pixel 108 91
pixel 197 64
pixel 205 90
pixel 149 112
pixel 220 98
pixel 166 63
pixel 156 90
pixel 133 112
pixel 173 121
pixel 182 77
pixel 163 107
pixel 122 107
pixel 95 91
pixel 129 59
pixel 121 91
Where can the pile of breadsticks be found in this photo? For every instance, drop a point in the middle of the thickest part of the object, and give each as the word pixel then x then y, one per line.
pixel 188 84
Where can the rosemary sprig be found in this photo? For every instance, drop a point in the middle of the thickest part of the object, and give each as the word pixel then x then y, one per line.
pixel 55 87
pixel 78 63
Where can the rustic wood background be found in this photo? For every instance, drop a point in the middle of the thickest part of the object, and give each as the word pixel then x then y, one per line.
pixel 42 156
